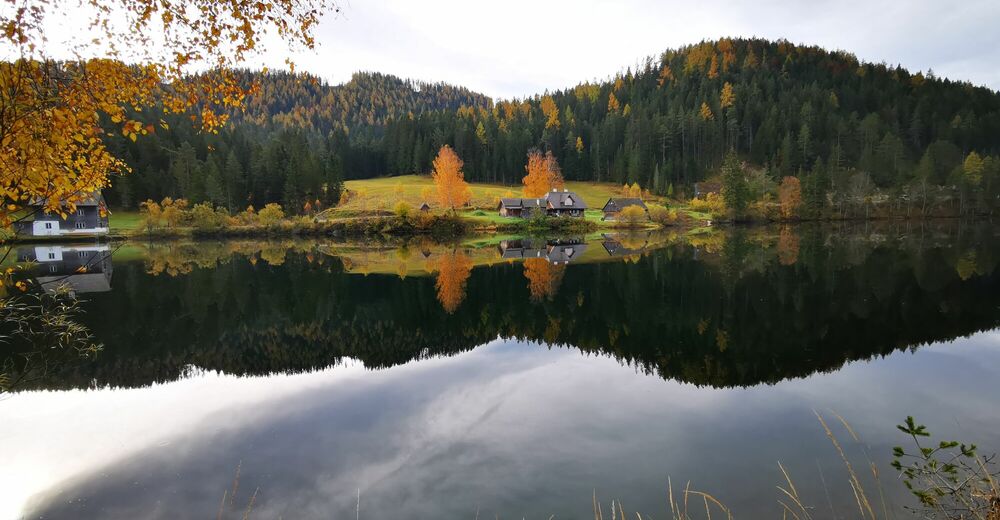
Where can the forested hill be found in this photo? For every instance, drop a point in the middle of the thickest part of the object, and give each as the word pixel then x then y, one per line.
pixel 673 120
pixel 368 100
pixel 845 127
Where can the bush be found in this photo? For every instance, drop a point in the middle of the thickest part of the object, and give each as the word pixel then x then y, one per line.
pixel 712 204
pixel 402 209
pixel 205 217
pixel 271 214
pixel 632 216
pixel 247 217
pixel 662 215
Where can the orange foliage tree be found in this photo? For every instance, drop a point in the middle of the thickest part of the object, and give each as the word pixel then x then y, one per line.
pixel 543 277
pixel 52 144
pixel 453 271
pixel 543 174
pixel 790 197
pixel 452 190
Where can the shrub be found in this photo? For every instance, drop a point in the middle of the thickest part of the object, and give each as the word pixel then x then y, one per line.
pixel 633 215
pixel 712 204
pixel 662 215
pixel 152 213
pixel 271 214
pixel 247 217
pixel 402 209
pixel 205 217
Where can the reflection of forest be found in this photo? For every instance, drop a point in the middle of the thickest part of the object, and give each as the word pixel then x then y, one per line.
pixel 738 308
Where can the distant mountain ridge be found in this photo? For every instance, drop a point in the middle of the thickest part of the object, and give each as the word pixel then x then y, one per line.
pixel 368 100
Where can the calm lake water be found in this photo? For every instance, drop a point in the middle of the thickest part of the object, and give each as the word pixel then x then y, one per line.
pixel 337 380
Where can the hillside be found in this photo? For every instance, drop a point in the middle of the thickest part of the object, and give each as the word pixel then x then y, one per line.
pixel 368 101
pixel 853 132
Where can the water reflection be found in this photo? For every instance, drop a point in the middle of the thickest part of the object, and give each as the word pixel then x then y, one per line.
pixel 750 307
pixel 703 358
pixel 78 269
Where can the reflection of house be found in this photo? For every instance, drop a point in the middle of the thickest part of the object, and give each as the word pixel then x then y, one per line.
pixel 89 218
pixel 81 269
pixel 554 204
pixel 554 251
pixel 614 206
pixel 616 248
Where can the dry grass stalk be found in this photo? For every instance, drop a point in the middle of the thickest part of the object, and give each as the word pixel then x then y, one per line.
pixel 863 503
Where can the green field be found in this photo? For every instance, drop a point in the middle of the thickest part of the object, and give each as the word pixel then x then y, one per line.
pixel 124 221
pixel 384 192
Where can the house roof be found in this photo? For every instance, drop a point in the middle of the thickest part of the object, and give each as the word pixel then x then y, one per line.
pixel 620 203
pixel 520 203
pixel 94 198
pixel 565 200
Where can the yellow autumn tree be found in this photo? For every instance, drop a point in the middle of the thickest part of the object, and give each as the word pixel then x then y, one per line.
pixel 706 112
pixel 790 197
pixel 52 144
pixel 613 104
pixel 550 111
pixel 449 181
pixel 727 98
pixel 543 174
pixel 453 271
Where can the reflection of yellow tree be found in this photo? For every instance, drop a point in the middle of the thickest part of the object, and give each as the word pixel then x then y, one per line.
pixel 543 277
pixel 788 246
pixel 453 270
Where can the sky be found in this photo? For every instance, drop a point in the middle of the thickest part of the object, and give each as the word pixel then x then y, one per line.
pixel 519 48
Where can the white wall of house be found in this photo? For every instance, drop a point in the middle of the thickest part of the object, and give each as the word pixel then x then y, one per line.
pixel 45 228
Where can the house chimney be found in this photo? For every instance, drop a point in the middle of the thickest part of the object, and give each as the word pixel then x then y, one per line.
pixel 565 190
pixel 554 190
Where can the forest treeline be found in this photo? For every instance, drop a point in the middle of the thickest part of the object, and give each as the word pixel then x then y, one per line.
pixel 851 131
pixel 294 142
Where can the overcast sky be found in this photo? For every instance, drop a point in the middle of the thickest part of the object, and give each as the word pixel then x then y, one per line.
pixel 520 47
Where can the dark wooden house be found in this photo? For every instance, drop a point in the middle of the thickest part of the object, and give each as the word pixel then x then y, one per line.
pixel 614 206
pixel 89 218
pixel 554 204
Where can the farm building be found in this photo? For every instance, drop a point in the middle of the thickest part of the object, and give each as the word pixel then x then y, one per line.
pixel 614 206
pixel 89 218
pixel 554 204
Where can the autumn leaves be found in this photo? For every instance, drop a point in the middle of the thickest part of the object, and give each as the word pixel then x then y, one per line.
pixel 542 175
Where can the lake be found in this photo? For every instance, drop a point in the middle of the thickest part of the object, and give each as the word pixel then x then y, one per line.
pixel 503 378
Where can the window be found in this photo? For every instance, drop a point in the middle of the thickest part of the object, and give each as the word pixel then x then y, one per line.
pixel 53 268
pixel 81 254
pixel 48 225
pixel 79 212
pixel 568 201
pixel 52 256
pixel 81 225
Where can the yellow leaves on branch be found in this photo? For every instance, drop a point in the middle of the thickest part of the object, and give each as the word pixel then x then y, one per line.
pixel 51 113
pixel 543 174
pixel 449 181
